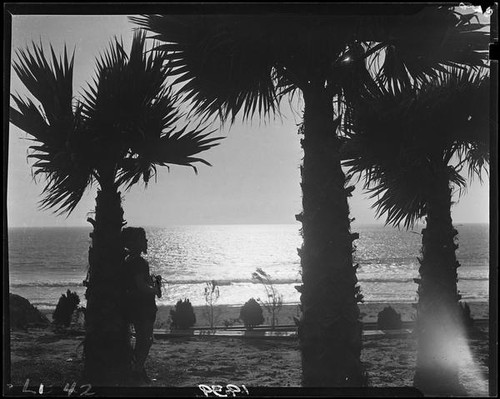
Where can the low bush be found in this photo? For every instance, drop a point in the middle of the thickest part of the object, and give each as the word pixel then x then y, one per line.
pixel 251 314
pixel 23 314
pixel 389 319
pixel 182 315
pixel 65 307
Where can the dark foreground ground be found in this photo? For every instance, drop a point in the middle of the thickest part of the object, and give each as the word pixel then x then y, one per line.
pixel 49 358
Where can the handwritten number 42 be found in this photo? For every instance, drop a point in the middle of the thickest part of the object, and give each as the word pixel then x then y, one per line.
pixel 71 389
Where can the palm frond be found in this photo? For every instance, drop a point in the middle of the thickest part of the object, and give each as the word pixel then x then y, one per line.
pixel 398 138
pixel 422 45
pixel 454 108
pixel 175 147
pixel 49 82
pixel 55 127
pixel 121 95
pixel 125 126
pixel 133 114
pixel 399 198
pixel 231 63
pixel 223 62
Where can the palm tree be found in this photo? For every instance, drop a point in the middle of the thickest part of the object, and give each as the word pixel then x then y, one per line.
pixel 125 126
pixel 410 145
pixel 248 63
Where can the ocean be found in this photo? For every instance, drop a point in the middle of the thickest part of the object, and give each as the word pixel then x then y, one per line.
pixel 45 262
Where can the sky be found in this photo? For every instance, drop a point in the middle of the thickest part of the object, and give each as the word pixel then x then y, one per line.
pixel 254 178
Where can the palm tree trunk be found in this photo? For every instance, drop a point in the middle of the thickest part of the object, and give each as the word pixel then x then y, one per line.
pixel 107 342
pixel 439 323
pixel 329 330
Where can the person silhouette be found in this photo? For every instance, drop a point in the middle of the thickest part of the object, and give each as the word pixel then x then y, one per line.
pixel 141 290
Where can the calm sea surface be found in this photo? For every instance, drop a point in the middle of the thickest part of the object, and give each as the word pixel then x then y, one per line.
pixel 45 262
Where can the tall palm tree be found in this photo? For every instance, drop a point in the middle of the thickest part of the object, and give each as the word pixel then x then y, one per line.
pixel 410 145
pixel 248 63
pixel 125 126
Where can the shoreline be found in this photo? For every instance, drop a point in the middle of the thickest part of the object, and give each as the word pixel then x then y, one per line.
pixel 368 313
pixel 228 313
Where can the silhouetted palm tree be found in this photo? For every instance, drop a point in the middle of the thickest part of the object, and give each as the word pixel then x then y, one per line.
pixel 125 126
pixel 248 63
pixel 410 145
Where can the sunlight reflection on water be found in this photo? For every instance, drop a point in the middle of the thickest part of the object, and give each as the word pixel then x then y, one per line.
pixel 44 263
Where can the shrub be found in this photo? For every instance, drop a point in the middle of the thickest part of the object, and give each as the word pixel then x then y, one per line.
pixel 65 307
pixel 23 314
pixel 251 314
pixel 182 315
pixel 389 319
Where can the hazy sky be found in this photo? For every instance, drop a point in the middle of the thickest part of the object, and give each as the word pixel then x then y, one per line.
pixel 255 174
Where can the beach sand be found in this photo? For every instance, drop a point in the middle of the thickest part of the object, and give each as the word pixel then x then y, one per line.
pixel 51 358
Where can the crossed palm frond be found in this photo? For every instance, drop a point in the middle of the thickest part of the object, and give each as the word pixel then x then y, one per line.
pixel 126 124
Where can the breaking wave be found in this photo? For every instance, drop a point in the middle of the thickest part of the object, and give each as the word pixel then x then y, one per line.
pixel 71 284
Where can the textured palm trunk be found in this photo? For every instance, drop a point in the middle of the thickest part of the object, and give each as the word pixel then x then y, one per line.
pixel 439 323
pixel 107 343
pixel 329 329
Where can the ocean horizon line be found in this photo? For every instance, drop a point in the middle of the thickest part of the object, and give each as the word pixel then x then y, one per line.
pixel 233 224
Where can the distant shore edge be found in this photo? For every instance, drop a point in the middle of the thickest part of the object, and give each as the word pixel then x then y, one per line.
pixel 226 314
